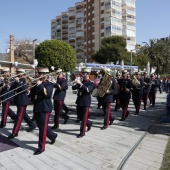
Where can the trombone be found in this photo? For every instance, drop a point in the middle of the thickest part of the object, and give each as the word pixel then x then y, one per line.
pixel 29 82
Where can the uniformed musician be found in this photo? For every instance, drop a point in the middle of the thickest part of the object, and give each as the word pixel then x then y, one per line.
pixel 21 101
pixel 5 87
pixel 106 101
pixel 83 101
pixel 137 92
pixel 96 82
pixel 125 94
pixel 42 109
pixel 153 90
pixel 61 87
pixel 146 89
pixel 116 95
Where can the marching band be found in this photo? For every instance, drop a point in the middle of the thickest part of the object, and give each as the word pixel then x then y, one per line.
pixel 109 89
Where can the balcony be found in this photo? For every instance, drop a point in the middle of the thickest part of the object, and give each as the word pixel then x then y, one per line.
pixel 58 37
pixel 58 27
pixel 64 21
pixel 65 26
pixel 72 21
pixel 80 15
pixel 72 37
pixel 80 28
pixel 72 31
pixel 79 23
pixel 58 34
pixel 80 34
pixel 65 38
pixel 72 43
pixel 52 33
pixel 53 24
pixel 80 41
pixel 128 19
pixel 72 14
pixel 131 12
pixel 80 53
pixel 129 27
pixel 71 25
pixel 130 41
pixel 64 30
pixel 80 48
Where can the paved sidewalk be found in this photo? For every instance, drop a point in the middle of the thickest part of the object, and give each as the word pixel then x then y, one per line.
pixel 98 149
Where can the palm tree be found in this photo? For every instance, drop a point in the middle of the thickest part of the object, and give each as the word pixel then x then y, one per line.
pixel 152 50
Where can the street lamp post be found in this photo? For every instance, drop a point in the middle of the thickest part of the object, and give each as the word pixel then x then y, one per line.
pixel 131 61
pixel 137 47
pixel 34 48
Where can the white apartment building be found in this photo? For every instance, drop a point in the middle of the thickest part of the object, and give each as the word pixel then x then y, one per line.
pixel 84 25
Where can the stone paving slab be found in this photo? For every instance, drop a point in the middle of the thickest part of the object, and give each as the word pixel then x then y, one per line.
pixel 98 150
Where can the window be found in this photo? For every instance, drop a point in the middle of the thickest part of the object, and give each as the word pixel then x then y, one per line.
pixel 108 29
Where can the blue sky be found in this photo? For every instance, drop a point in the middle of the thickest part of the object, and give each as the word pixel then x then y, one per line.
pixel 31 19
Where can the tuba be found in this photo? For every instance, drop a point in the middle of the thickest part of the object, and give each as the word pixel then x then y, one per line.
pixel 105 84
pixel 135 81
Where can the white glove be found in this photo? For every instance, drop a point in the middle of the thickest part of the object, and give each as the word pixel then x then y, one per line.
pixel 53 80
pixel 17 79
pixel 39 82
pixel 78 81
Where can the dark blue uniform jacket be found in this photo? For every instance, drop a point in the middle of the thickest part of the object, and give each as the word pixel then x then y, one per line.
pixel 84 93
pixel 125 83
pixel 138 90
pixel 6 92
pixel 108 97
pixel 60 89
pixel 154 85
pixel 147 82
pixel 43 102
pixel 21 99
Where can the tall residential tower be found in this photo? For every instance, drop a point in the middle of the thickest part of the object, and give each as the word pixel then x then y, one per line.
pixel 84 25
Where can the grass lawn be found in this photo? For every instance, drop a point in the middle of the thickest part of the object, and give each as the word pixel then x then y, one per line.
pixel 166 158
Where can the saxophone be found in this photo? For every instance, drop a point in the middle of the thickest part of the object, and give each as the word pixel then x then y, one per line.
pixel 105 84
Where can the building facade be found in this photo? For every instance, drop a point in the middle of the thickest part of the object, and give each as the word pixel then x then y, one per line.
pixel 84 25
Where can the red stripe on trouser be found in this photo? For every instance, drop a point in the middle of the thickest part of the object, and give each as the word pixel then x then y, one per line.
pixel 19 120
pixel 5 113
pixel 155 98
pixel 108 114
pixel 138 104
pixel 85 120
pixel 57 114
pixel 45 131
pixel 125 111
pixel 147 98
pixel 118 102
